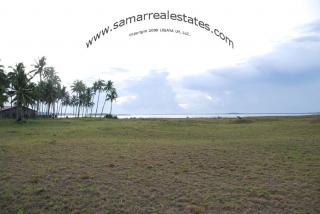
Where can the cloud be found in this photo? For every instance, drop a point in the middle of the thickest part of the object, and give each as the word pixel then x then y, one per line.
pixel 285 80
pixel 312 38
pixel 153 94
pixel 118 70
pixel 125 99
pixel 311 27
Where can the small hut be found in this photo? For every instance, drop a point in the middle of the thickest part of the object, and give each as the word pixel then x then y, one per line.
pixel 11 112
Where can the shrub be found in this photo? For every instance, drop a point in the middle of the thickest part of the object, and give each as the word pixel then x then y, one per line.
pixel 110 116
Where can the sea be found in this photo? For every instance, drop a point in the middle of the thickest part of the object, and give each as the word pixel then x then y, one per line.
pixel 213 115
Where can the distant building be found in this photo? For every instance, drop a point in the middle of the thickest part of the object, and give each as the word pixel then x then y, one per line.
pixel 11 112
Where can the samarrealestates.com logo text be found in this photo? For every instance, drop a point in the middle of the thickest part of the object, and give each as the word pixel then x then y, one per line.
pixel 164 16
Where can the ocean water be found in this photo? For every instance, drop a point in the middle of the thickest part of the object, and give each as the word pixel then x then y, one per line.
pixel 215 115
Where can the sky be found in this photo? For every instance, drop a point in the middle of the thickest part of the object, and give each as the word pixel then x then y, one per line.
pixel 274 66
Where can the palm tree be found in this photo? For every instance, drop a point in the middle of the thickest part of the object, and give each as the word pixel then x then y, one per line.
pixel 51 88
pixel 62 93
pixel 93 93
pixel 50 93
pixel 98 86
pixel 74 103
pixel 4 84
pixel 4 87
pixel 112 95
pixel 82 100
pixel 65 102
pixel 88 99
pixel 108 87
pixel 49 73
pixel 36 95
pixel 90 105
pixel 79 88
pixel 42 96
pixel 22 89
pixel 39 67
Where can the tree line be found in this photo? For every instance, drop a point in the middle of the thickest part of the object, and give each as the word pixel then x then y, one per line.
pixel 48 97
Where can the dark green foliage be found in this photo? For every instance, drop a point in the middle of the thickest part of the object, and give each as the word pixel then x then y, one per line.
pixel 48 97
pixel 4 84
pixel 22 89
pixel 110 116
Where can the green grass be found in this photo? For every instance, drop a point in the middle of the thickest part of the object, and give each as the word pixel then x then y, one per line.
pixel 254 165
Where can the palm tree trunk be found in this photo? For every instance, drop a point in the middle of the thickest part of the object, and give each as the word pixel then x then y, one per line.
pixel 57 111
pixel 38 106
pixel 41 108
pixel 65 111
pixel 78 110
pixel 22 113
pixel 17 114
pixel 54 109
pixel 110 107
pixel 48 112
pixel 82 110
pixel 61 109
pixel 97 104
pixel 103 107
pixel 91 107
pixel 58 108
pixel 91 111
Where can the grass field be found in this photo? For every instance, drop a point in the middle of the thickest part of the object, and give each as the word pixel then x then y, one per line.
pixel 254 165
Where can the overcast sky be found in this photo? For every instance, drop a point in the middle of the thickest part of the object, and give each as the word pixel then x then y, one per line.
pixel 274 66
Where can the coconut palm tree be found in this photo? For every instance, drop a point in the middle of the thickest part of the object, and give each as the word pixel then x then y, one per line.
pixel 88 99
pixel 79 88
pixel 98 86
pixel 108 87
pixel 65 102
pixel 82 100
pixel 22 89
pixel 62 93
pixel 49 73
pixel 51 94
pixel 39 67
pixel 36 96
pixel 112 95
pixel 42 96
pixel 5 93
pixel 74 103
pixel 51 88
pixel 93 93
pixel 4 84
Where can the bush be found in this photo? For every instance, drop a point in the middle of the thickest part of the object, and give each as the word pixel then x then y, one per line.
pixel 110 116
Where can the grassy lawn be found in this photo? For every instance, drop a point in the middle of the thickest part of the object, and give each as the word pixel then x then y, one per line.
pixel 257 165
